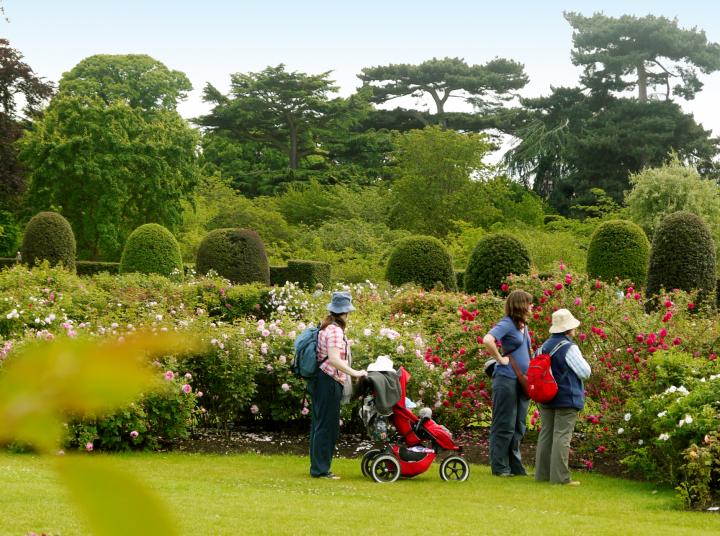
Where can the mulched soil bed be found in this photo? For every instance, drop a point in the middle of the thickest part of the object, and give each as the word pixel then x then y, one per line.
pixel 350 445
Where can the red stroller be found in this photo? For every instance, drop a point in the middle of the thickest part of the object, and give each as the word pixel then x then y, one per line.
pixel 404 453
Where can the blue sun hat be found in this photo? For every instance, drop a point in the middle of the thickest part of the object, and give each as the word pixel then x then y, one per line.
pixel 340 303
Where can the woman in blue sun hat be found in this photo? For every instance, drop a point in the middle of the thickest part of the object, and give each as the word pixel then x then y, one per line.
pixel 326 388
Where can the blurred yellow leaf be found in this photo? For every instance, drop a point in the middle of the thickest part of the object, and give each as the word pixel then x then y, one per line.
pixel 47 380
pixel 113 502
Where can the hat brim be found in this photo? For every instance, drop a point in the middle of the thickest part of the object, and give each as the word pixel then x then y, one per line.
pixel 567 326
pixel 340 310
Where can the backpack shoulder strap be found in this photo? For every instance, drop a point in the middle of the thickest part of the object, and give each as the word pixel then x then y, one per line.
pixel 552 352
pixel 558 346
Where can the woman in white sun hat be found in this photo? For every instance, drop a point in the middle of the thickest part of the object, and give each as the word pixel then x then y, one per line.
pixel 559 415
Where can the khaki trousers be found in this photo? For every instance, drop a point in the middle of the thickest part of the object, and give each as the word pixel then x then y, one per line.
pixel 553 448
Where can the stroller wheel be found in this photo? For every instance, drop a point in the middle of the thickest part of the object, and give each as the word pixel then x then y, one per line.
pixel 367 459
pixel 454 468
pixel 385 468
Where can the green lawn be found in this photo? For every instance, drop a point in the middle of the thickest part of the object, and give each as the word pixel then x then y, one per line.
pixel 252 494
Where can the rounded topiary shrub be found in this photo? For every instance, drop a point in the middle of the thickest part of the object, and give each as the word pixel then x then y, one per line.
pixel 48 236
pixel 619 248
pixel 152 249
pixel 236 254
pixel 422 260
pixel 682 256
pixel 494 258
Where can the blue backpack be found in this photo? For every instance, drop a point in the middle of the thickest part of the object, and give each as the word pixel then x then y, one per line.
pixel 305 363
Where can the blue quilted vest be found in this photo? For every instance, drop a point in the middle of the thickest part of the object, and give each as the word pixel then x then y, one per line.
pixel 571 393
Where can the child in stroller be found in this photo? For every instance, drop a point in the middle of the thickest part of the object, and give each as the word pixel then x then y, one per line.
pixel 403 434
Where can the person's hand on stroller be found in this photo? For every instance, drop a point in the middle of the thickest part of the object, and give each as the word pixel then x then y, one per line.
pixel 342 365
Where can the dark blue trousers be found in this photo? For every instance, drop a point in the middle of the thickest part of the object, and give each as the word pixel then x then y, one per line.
pixel 326 394
pixel 510 408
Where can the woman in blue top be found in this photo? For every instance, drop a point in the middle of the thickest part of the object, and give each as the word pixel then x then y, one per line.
pixel 510 404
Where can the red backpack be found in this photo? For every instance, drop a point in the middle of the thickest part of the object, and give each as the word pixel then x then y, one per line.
pixel 541 384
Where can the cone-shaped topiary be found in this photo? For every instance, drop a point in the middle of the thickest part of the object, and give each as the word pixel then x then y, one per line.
pixel 682 256
pixel 48 236
pixel 619 248
pixel 152 249
pixel 236 254
pixel 422 260
pixel 494 258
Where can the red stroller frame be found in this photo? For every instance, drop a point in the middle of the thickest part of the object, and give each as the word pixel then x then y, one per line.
pixel 394 460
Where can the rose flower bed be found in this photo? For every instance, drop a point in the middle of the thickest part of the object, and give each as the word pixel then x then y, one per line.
pixel 652 397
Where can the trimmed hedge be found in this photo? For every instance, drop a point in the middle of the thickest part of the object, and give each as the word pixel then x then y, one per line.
pixel 460 278
pixel 48 236
pixel 236 254
pixel 152 249
pixel 423 260
pixel 619 249
pixel 95 267
pixel 682 256
pixel 494 258
pixel 7 261
pixel 308 273
pixel 279 275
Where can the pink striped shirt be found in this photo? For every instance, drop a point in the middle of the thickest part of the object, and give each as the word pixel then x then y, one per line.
pixel 332 337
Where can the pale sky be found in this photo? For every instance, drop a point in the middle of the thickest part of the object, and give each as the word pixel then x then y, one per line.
pixel 210 39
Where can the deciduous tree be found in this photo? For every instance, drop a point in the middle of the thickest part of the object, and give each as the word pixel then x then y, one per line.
pixel 434 184
pixel 660 191
pixel 17 79
pixel 109 168
pixel 141 81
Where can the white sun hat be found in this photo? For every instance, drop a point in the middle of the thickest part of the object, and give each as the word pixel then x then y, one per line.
pixel 562 321
pixel 383 363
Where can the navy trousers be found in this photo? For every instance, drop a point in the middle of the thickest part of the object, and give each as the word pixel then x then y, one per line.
pixel 326 394
pixel 510 408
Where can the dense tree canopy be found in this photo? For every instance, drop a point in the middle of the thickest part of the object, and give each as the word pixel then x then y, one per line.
pixel 434 169
pixel 484 86
pixel 572 143
pixel 622 53
pixel 138 79
pixel 442 179
pixel 287 111
pixel 279 127
pixel 108 169
pixel 338 179
pixel 17 79
pixel 672 187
